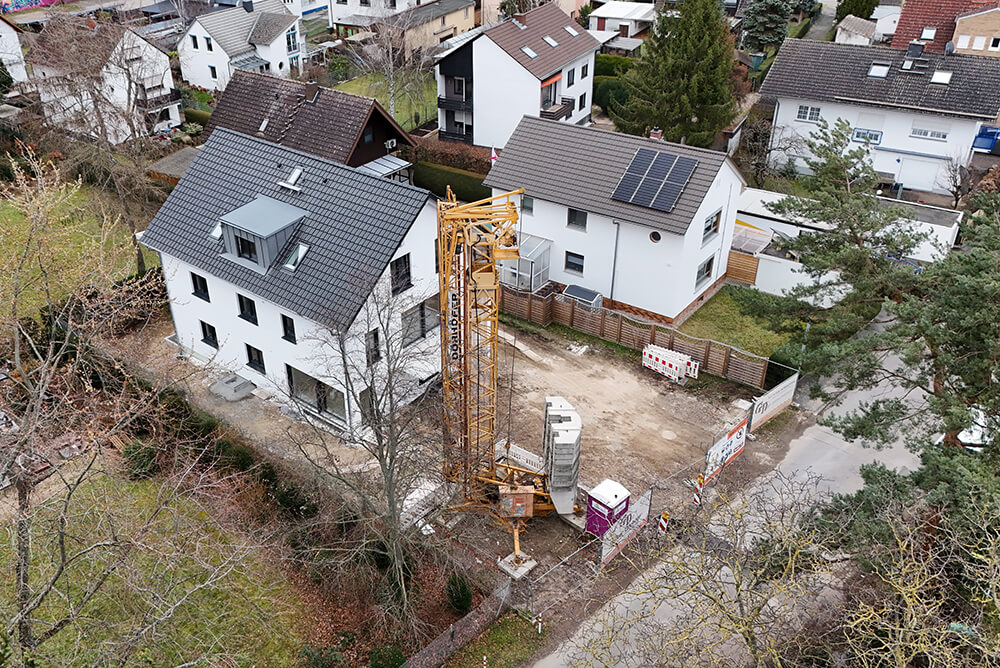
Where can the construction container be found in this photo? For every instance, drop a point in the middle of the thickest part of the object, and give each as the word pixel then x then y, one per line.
pixel 606 503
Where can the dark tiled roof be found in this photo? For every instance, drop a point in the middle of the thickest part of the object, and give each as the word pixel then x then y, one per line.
pixel 545 20
pixel 940 14
pixel 429 11
pixel 857 26
pixel 580 167
pixel 354 225
pixel 231 28
pixel 328 127
pixel 826 71
pixel 270 27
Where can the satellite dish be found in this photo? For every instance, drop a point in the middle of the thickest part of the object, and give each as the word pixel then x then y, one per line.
pixel 949 48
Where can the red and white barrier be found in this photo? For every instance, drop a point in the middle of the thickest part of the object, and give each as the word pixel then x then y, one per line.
pixel 669 363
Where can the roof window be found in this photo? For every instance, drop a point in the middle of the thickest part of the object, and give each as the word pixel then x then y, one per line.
pixel 295 256
pixel 879 70
pixel 551 42
pixel 263 125
pixel 571 30
pixel 292 179
pixel 528 52
pixel 216 232
pixel 941 77
pixel 928 33
pixel 907 65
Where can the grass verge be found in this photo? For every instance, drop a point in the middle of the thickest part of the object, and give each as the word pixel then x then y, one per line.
pixel 414 107
pixel 721 319
pixel 467 186
pixel 508 643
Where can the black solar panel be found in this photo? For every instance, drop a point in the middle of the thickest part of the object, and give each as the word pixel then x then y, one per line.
pixel 654 179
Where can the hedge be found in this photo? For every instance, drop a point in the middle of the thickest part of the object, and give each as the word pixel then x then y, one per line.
pixel 467 186
pixel 197 116
pixel 608 88
pixel 799 31
pixel 608 65
pixel 450 154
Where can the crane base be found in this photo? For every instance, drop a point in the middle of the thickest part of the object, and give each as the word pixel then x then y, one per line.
pixel 515 568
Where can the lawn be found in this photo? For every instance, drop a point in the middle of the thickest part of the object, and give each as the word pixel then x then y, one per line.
pixel 248 617
pixel 412 110
pixel 720 319
pixel 508 643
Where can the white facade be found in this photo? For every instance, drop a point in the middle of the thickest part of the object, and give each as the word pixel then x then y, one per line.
pixel 886 19
pixel 204 63
pixel 913 147
pixel 628 19
pixel 315 351
pixel 10 52
pixel 339 10
pixel 638 265
pixel 132 98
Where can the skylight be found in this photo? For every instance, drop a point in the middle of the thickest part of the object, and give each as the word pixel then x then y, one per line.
pixel 551 42
pixel 907 65
pixel 571 30
pixel 879 70
pixel 928 33
pixel 263 125
pixel 216 231
pixel 294 176
pixel 941 77
pixel 295 257
pixel 528 52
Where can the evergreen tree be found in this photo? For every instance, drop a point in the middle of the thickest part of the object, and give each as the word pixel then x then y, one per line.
pixel 861 8
pixel 681 80
pixel 765 24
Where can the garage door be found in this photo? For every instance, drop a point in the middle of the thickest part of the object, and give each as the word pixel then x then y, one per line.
pixel 920 174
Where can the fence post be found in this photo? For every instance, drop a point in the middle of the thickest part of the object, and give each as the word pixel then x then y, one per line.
pixel 572 312
pixel 725 361
pixel 652 333
pixel 529 318
pixel 763 374
pixel 604 315
pixel 618 337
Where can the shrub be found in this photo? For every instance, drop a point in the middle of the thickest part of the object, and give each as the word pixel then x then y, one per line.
pixel 801 29
pixel 236 457
pixel 607 89
pixel 267 475
pixel 608 65
pixel 139 460
pixel 339 67
pixel 389 656
pixel 319 657
pixel 459 593
pixel 467 186
pixel 450 154
pixel 197 116
pixel 294 502
pixel 203 423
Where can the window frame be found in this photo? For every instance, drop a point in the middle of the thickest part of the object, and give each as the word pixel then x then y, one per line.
pixel 963 41
pixel 245 254
pixel 570 77
pixel 994 44
pixel 209 338
pixel 250 315
pixel 699 279
pixel 978 42
pixel 288 328
pixel 573 219
pixel 194 42
pixel 928 133
pixel 212 72
pixel 256 365
pixel 807 117
pixel 710 228
pixel 208 44
pixel 428 317
pixel 566 263
pixel 373 347
pixel 584 70
pixel 195 278
pixel 396 275
pixel 527 204
pixel 582 101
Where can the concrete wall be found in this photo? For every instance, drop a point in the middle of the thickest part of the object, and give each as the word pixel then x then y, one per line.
pixel 919 163
pixel 985 27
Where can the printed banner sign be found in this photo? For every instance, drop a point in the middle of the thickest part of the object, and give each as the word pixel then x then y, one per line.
pixel 621 532
pixel 773 402
pixel 727 449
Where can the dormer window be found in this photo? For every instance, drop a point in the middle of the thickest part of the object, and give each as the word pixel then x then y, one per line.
pixel 255 233
pixel 928 34
pixel 246 249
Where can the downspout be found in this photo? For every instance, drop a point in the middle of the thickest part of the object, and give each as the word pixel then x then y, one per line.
pixel 614 259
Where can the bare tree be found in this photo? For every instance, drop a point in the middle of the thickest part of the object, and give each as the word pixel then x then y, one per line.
pixel 957 180
pixel 763 148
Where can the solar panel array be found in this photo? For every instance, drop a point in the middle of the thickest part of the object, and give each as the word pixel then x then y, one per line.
pixel 654 179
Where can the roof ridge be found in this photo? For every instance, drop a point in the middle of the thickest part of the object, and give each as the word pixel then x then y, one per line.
pixel 628 136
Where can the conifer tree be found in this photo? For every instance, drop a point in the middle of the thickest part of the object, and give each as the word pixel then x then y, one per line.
pixel 765 24
pixel 681 80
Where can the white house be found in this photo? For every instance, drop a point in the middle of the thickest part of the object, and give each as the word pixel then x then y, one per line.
pixel 919 111
pixel 256 36
pixel 540 63
pixel 628 19
pixel 269 257
pixel 348 17
pixel 886 18
pixel 307 8
pixel 10 49
pixel 111 84
pixel 644 223
pixel 854 30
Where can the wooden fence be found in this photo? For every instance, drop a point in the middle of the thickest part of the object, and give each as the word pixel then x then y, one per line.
pixel 715 358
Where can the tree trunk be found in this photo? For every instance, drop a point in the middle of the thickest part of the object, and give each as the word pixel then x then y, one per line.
pixel 25 632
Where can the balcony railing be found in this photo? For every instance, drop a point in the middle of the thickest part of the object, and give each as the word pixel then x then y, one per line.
pixel 154 104
pixel 557 112
pixel 456 136
pixel 455 104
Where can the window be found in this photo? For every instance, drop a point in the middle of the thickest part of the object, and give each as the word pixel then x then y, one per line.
pixel 466 12
pixel 442 21
pixel 576 219
pixel 399 272
pixel 929 134
pixel 962 42
pixel 458 86
pixel 584 71
pixel 704 272
pixel 928 33
pixel 287 329
pixel 995 44
pixel 248 309
pixel 571 77
pixel 571 30
pixel 437 260
pixel 941 77
pixel 292 40
pixel 208 335
pixel 212 73
pixel 315 394
pixel 255 359
pixel 420 320
pixel 865 136
pixel 369 135
pixel 583 101
pixel 527 204
pixel 200 286
pixel 711 227
pixel 978 43
pixel 341 2
pixel 366 3
pixel 373 351
pixel 529 52
pixel 574 262
pixel 246 249
pixel 208 43
pixel 879 70
pixel 295 256
pixel 194 41
pixel 550 41
pixel 807 113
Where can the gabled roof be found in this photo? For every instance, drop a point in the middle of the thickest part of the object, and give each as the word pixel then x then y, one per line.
pixel 531 28
pixel 354 224
pixel 426 12
pixel 989 7
pixel 270 27
pixel 328 126
pixel 857 26
pixel 826 71
pixel 938 14
pixel 231 28
pixel 581 167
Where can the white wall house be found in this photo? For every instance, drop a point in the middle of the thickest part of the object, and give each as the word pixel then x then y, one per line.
pixel 260 287
pixel 307 8
pixel 359 14
pixel 539 64
pixel 628 19
pixel 918 112
pixel 115 87
pixel 256 36
pixel 10 49
pixel 854 30
pixel 642 222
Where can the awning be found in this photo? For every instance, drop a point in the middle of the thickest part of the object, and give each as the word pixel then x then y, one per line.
pixel 552 79
pixel 750 239
pixel 384 166
pixel 250 61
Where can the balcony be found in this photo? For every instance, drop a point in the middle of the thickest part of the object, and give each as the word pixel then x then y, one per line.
pixel 456 136
pixel 154 104
pixel 455 104
pixel 557 112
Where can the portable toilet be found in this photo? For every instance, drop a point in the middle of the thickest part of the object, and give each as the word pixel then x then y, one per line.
pixel 606 503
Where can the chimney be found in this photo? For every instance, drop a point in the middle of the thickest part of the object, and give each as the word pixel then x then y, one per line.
pixel 312 91
pixel 656 133
pixel 248 6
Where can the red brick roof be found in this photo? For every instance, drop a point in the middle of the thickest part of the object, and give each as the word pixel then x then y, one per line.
pixel 940 14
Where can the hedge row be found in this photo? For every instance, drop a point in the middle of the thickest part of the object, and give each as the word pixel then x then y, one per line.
pixel 450 154
pixel 799 31
pixel 467 186
pixel 609 88
pixel 609 65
